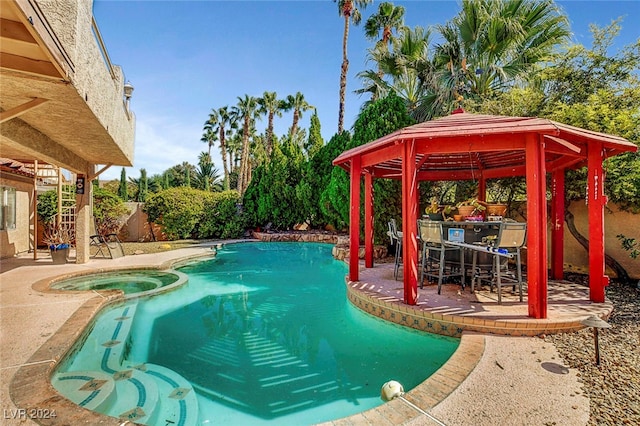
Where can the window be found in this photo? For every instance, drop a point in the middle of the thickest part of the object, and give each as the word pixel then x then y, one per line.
pixel 8 210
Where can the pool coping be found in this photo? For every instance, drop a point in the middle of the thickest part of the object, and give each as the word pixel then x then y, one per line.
pixel 31 389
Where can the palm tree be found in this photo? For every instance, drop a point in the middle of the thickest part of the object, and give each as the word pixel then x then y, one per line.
pixel 382 24
pixel 206 176
pixel 298 104
pixel 221 120
pixel 349 10
pixel 403 67
pixel 493 44
pixel 247 111
pixel 209 136
pixel 272 106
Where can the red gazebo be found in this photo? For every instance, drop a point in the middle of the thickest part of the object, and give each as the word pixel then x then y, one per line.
pixel 466 146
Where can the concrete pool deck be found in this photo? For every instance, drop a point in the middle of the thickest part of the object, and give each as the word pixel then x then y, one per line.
pixel 489 380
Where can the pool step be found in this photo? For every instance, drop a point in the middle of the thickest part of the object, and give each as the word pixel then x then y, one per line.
pixel 144 393
pixel 108 340
pixel 93 390
pixel 178 404
pixel 137 397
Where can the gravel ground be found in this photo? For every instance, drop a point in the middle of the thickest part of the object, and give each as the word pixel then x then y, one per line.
pixel 613 387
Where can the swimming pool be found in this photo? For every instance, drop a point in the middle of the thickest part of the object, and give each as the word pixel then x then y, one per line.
pixel 263 333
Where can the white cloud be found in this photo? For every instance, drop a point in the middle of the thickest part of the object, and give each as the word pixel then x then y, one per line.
pixel 160 143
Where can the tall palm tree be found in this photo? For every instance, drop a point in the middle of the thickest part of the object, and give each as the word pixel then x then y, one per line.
pixel 221 120
pixel 348 9
pixel 234 145
pixel 272 106
pixel 298 104
pixel 247 111
pixel 380 26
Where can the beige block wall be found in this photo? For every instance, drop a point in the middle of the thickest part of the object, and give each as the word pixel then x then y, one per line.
pixel 18 240
pixel 576 258
pixel 137 228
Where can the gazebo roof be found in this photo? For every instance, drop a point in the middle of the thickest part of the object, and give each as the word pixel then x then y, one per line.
pixel 461 145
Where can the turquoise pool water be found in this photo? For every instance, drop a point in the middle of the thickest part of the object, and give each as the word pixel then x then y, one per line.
pixel 264 334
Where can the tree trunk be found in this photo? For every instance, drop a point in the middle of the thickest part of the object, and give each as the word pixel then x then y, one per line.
pixel 244 161
pixel 223 151
pixel 622 274
pixel 343 73
pixel 294 126
pixel 270 135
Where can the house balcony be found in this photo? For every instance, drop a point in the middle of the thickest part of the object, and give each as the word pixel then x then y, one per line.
pixel 62 102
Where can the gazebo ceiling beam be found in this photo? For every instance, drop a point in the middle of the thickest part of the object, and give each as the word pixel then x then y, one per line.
pixel 460 174
pixel 381 155
pixel 553 142
pixel 563 163
pixel 454 145
pixel 502 172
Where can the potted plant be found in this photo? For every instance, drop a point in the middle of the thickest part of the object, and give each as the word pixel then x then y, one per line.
pixel 58 238
pixel 436 211
pixel 470 207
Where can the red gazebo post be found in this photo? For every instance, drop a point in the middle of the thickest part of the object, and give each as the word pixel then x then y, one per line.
pixel 596 201
pixel 537 226
pixel 482 187
pixel 354 219
pixel 368 220
pixel 557 224
pixel 410 222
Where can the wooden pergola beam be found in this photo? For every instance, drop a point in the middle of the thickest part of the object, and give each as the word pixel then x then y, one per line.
pixel 21 109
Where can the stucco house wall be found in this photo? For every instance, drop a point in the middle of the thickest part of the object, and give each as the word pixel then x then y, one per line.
pixel 18 240
pixel 102 91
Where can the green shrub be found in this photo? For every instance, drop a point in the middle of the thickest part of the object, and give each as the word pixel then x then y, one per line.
pixel 108 210
pixel 47 206
pixel 271 197
pixel 178 210
pixel 379 119
pixel 220 218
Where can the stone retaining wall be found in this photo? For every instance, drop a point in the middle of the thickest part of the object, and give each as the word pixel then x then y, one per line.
pixel 293 236
pixel 340 251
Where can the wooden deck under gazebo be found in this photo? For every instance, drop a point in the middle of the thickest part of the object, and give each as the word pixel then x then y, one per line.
pixel 466 146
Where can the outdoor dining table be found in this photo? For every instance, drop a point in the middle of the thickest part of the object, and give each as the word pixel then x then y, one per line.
pixel 474 232
pixel 476 241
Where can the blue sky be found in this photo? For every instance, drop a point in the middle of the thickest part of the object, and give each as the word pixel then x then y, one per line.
pixel 186 57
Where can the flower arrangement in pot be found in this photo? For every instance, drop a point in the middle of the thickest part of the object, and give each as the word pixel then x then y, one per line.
pixel 58 238
pixel 436 211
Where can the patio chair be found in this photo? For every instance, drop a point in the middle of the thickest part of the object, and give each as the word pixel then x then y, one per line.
pixel 431 234
pixel 396 240
pixel 109 242
pixel 511 237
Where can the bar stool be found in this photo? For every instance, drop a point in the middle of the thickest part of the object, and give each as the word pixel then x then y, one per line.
pixel 432 235
pixel 511 238
pixel 396 239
